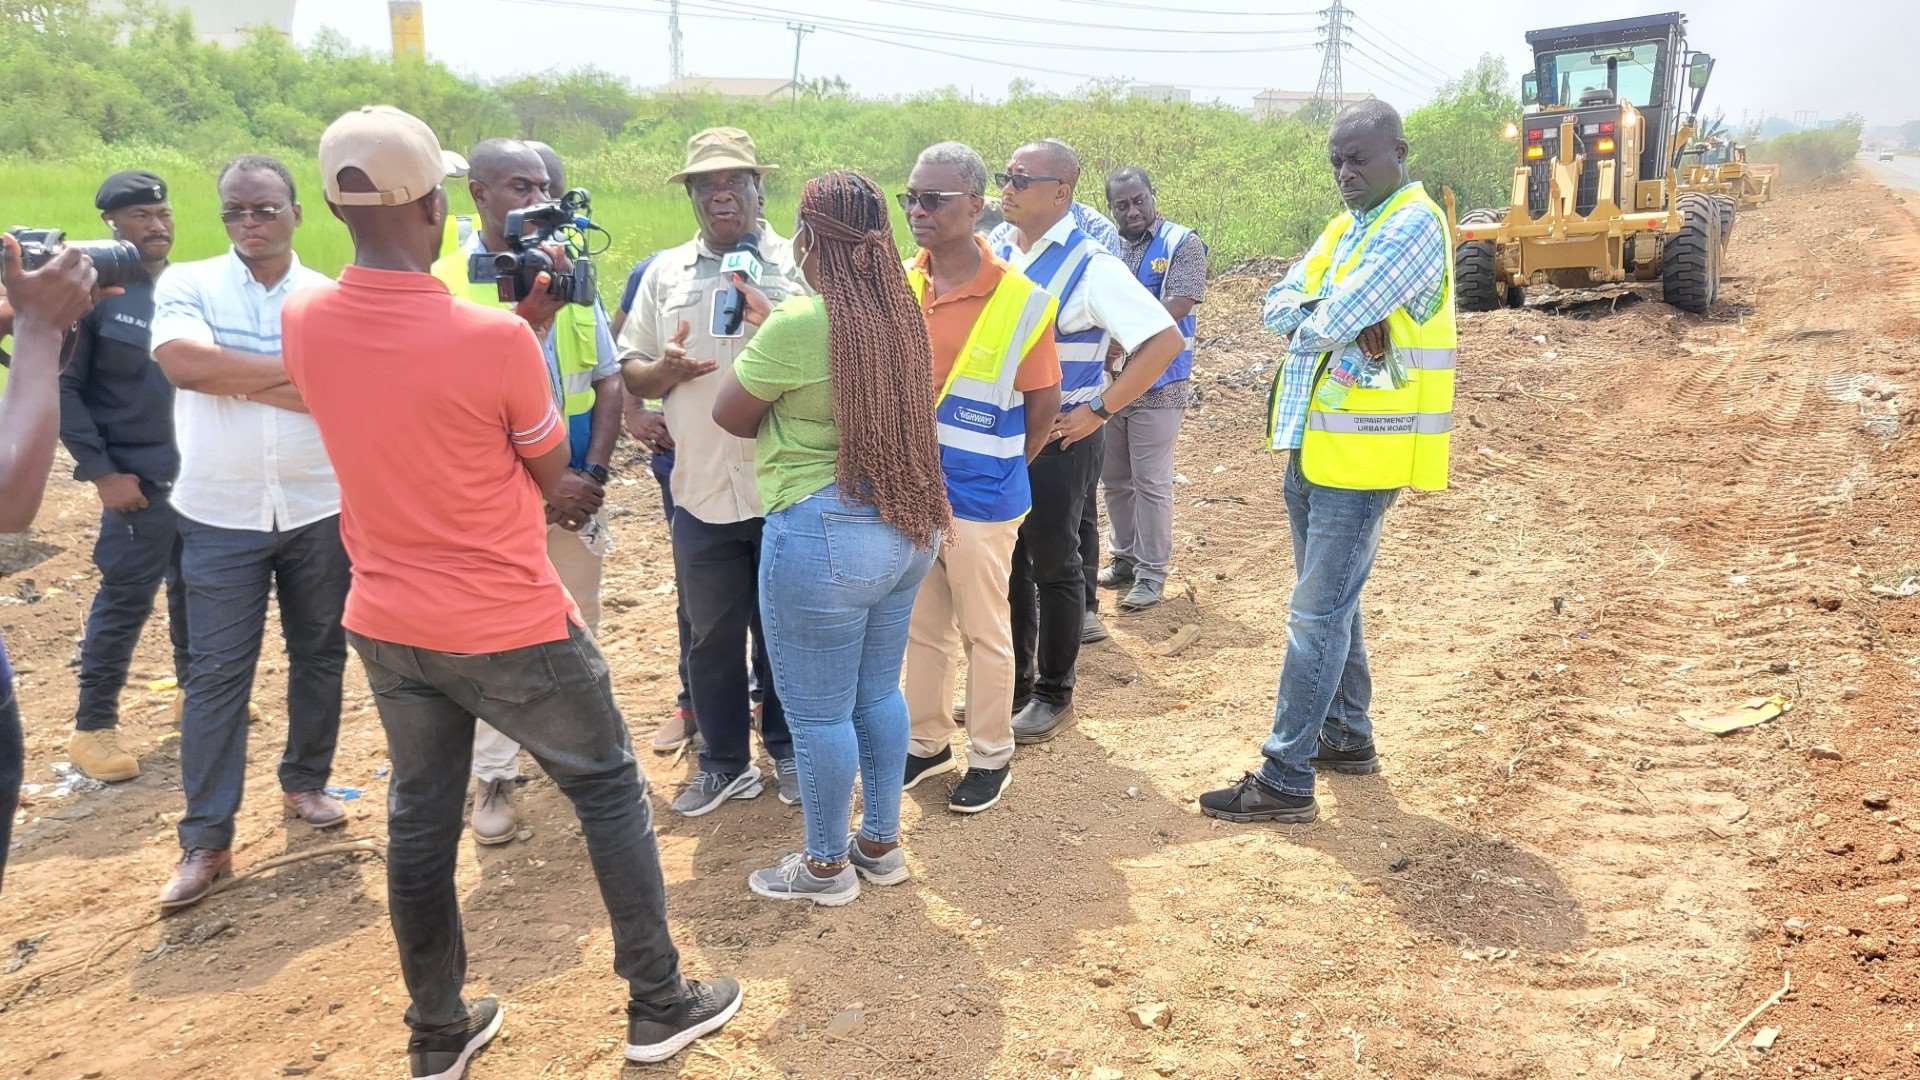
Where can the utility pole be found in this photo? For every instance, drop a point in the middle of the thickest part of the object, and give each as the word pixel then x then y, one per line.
pixel 1327 96
pixel 676 63
pixel 800 30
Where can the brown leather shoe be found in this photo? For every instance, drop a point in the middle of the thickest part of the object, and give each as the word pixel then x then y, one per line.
pixel 198 869
pixel 316 808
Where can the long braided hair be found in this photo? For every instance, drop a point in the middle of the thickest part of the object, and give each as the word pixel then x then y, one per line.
pixel 879 359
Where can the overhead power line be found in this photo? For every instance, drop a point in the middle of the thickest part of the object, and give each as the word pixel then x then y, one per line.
pixel 1042 20
pixel 1163 9
pixel 1404 59
pixel 1430 46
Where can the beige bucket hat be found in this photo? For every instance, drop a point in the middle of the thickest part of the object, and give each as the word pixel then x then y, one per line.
pixel 718 150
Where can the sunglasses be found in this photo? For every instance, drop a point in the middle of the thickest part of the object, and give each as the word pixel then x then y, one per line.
pixel 1021 181
pixel 928 200
pixel 262 214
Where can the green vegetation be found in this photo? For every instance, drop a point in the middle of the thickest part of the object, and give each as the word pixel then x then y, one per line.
pixel 82 95
pixel 1815 154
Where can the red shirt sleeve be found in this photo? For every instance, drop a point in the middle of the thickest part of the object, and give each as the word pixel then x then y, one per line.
pixel 533 423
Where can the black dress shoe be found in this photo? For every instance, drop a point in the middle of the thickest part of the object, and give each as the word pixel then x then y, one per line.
pixel 1040 721
pixel 1360 761
pixel 1250 800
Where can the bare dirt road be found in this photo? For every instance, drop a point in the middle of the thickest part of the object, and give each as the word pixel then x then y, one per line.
pixel 1653 515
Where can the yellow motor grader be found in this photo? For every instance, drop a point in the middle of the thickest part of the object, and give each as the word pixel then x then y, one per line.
pixel 1599 193
pixel 1719 167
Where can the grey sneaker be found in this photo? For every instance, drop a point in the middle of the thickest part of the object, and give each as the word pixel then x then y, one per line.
pixel 1117 574
pixel 888 869
pixel 706 791
pixel 1145 593
pixel 788 770
pixel 793 879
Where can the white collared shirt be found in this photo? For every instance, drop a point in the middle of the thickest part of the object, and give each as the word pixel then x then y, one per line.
pixel 243 465
pixel 1109 296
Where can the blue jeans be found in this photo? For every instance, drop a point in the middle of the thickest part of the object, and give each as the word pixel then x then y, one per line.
pixel 135 552
pixel 1325 687
pixel 836 592
pixel 229 574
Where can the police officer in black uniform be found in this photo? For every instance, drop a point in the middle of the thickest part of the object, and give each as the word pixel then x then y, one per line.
pixel 116 419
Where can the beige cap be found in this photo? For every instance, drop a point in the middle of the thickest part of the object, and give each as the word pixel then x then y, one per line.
pixel 718 150
pixel 397 151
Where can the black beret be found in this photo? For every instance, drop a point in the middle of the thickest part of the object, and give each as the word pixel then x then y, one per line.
pixel 130 189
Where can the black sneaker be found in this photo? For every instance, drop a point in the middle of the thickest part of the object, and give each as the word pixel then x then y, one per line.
pixel 979 789
pixel 1250 800
pixel 444 1055
pixel 1360 761
pixel 919 768
pixel 706 1006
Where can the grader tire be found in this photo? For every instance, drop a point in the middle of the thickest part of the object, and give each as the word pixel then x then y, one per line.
pixel 1476 277
pixel 1727 208
pixel 1690 263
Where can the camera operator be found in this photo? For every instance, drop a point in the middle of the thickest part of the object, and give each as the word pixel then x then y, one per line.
pixel 44 304
pixel 116 419
pixel 505 175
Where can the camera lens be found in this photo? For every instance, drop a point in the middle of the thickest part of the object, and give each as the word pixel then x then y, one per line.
pixel 115 261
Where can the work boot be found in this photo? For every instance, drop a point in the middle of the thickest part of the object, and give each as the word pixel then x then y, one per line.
pixel 1145 593
pixel 194 876
pixel 1092 629
pixel 1117 574
pixel 493 821
pixel 675 732
pixel 98 754
pixel 315 807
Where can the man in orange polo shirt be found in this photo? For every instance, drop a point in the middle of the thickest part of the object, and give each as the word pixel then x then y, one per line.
pixel 992 423
pixel 439 419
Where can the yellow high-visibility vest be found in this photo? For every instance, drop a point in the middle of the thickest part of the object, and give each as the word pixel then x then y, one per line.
pixel 1381 439
pixel 573 332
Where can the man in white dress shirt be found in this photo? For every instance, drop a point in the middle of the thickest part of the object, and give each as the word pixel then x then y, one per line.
pixel 259 515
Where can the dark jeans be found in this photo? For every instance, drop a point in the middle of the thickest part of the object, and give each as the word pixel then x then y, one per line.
pixel 135 553
pixel 229 574
pixel 718 567
pixel 556 701
pixel 661 463
pixel 1048 589
pixel 12 767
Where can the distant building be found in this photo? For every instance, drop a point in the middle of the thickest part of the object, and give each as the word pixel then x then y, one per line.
pixel 1268 104
pixel 1159 92
pixel 745 89
pixel 228 22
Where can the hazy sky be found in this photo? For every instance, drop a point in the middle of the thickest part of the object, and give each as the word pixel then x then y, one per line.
pixel 1774 57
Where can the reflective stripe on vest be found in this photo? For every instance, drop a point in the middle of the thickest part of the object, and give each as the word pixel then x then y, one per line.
pixel 980 418
pixel 1083 353
pixel 1380 439
pixel 573 331
pixel 1153 273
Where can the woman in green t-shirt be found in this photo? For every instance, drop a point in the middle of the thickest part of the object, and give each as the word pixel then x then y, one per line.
pixel 838 390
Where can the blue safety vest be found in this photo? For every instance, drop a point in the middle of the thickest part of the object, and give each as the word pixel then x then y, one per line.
pixel 1083 353
pixel 1167 238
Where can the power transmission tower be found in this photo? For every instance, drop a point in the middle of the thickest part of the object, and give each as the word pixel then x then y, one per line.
pixel 676 62
pixel 800 30
pixel 1327 96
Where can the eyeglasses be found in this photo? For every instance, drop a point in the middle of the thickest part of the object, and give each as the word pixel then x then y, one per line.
pixel 928 200
pixel 706 183
pixel 265 215
pixel 1020 181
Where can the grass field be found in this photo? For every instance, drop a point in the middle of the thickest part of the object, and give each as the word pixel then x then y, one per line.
pixel 643 217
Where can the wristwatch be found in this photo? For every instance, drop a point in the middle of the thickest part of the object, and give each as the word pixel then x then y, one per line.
pixel 599 474
pixel 1099 407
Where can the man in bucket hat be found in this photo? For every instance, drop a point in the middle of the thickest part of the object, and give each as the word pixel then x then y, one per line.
pixel 679 333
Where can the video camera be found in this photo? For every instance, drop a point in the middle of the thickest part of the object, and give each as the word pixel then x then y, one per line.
pixel 515 271
pixel 116 262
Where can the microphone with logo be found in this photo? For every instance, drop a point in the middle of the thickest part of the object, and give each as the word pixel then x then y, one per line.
pixel 730 303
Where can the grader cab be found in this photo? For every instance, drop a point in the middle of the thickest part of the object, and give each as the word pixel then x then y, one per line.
pixel 1599 193
pixel 1719 166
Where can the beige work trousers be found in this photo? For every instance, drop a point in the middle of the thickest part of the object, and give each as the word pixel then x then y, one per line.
pixel 496 757
pixel 963 604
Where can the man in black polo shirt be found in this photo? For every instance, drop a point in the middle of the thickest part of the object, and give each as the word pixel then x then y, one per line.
pixel 116 419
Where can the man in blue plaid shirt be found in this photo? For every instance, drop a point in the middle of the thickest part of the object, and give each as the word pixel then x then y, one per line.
pixel 1320 711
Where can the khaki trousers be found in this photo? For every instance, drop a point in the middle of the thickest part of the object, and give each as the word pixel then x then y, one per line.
pixel 496 757
pixel 963 605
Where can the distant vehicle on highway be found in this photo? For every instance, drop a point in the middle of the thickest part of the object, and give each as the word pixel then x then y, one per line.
pixel 1886 155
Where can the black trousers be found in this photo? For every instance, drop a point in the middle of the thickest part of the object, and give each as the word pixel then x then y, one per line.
pixel 12 765
pixel 136 552
pixel 718 568
pixel 1049 587
pixel 1090 542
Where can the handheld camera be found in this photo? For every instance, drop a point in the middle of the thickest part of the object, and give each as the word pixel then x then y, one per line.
pixel 116 262
pixel 515 271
